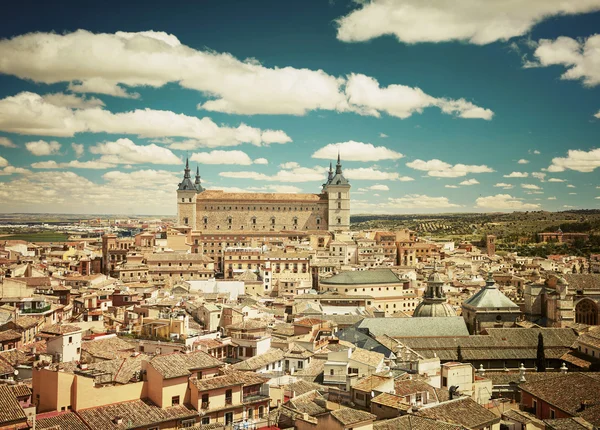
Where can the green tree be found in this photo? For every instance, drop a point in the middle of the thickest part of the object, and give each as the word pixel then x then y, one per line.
pixel 540 362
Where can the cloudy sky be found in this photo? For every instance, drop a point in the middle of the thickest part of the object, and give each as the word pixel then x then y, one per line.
pixel 450 107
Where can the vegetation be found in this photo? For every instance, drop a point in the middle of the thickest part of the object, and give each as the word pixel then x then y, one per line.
pixel 38 236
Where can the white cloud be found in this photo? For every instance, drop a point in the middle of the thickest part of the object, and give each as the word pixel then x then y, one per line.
pixel 470 182
pixel 78 149
pixel 74 164
pixel 568 206
pixel 383 135
pixel 556 180
pixel 535 152
pixel 72 101
pixel 442 169
pixel 295 174
pixel 517 175
pixel 289 165
pixel 9 170
pixel 504 201
pixel 416 201
pixel 504 185
pixel 368 98
pixel 261 161
pixel 451 186
pixel 113 64
pixel 124 151
pixel 580 58
pixel 414 21
pixel 372 174
pixel 3 162
pixel 551 198
pixel 571 186
pixel 523 161
pixel 222 157
pixel 530 187
pixel 572 194
pixel 356 151
pixel 6 142
pixel 41 147
pixel 539 175
pixel 377 187
pixel 29 113
pixel 581 161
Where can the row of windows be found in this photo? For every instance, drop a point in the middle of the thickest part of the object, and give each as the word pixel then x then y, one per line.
pixel 261 208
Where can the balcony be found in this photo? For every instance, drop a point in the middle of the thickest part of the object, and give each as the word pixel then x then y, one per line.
pixel 255 397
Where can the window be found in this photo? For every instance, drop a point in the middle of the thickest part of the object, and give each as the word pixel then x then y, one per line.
pixel 70 339
pixel 552 414
pixel 205 420
pixel 199 375
pixel 205 402
pixel 228 397
pixel 300 364
pixel 261 411
pixel 534 406
pixel 228 418
pixel 174 400
pixel 339 205
pixel 188 423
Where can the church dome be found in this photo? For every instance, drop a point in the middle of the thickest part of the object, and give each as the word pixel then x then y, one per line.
pixel 429 309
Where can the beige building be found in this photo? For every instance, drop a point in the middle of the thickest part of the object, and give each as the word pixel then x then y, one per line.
pixel 216 210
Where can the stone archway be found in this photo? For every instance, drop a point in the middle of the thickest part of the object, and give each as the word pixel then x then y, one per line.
pixel 586 312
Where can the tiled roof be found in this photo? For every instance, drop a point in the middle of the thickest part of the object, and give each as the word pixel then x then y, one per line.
pixel 107 349
pixel 463 411
pixel 27 322
pixel 360 277
pixel 522 417
pixel 300 387
pixel 573 423
pixel 583 281
pixel 248 324
pixel 367 357
pixel 416 327
pixel 370 383
pixel 177 364
pixel 9 335
pixel 490 297
pixel 311 403
pixel 349 416
pixel 391 400
pixel 61 421
pixel 567 392
pixel 591 338
pixel 258 361
pixel 249 198
pixel 309 322
pixel 414 422
pixel 21 390
pixel 10 410
pixel 136 413
pixel 61 329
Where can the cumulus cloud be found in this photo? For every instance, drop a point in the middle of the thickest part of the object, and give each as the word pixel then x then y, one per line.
pixel 78 149
pixel 504 201
pixel 110 64
pixel 368 98
pixel 442 169
pixel 420 201
pixel 451 186
pixel 356 151
pixel 581 58
pixel 73 101
pixel 571 186
pixel 504 185
pixel 29 113
pixel 41 147
pixel 222 157
pixel 530 187
pixel 74 164
pixel 3 162
pixel 377 187
pixel 581 161
pixel 124 151
pixel 539 175
pixel 289 174
pixel 414 21
pixel 289 165
pixel 383 135
pixel 470 182
pixel 551 198
pixel 6 142
pixel 372 174
pixel 556 180
pixel 517 175
pixel 523 161
pixel 261 161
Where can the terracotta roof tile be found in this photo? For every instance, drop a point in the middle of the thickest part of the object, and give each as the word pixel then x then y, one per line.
pixel 10 410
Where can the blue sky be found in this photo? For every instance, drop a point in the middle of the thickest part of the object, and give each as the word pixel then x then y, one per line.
pixel 474 107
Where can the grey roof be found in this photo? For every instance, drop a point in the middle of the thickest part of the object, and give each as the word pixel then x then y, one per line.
pixel 359 277
pixel 434 309
pixel 337 178
pixel 416 327
pixel 187 184
pixel 363 341
pixel 490 297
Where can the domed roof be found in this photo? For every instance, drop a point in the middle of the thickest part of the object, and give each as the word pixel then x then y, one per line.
pixel 435 277
pixel 429 309
pixel 490 297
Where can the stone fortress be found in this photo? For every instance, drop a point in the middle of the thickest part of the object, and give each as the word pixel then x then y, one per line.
pixel 215 210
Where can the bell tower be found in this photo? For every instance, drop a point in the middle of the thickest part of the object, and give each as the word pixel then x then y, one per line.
pixel 186 199
pixel 338 195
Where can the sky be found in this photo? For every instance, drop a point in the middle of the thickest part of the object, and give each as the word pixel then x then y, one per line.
pixel 463 106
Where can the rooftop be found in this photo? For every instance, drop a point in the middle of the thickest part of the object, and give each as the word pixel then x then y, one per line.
pixel 362 277
pixel 463 411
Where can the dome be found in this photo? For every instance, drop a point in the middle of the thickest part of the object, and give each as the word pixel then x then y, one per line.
pixel 435 277
pixel 428 309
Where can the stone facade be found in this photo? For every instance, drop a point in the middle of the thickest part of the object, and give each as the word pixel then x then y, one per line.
pixel 216 210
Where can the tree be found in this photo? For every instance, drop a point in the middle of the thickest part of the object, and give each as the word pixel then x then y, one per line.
pixel 541 354
pixel 459 356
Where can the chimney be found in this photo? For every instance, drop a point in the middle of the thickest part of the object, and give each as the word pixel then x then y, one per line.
pixel 522 373
pixel 117 420
pixel 563 368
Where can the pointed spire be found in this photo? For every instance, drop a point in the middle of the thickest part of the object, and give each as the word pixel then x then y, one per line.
pixel 330 176
pixel 338 166
pixel 197 182
pixel 186 172
pixel 186 184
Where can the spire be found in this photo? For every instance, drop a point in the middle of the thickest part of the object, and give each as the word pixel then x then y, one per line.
pixel 186 184
pixel 338 166
pixel 197 182
pixel 330 176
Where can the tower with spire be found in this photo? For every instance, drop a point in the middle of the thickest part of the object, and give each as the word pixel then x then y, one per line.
pixel 186 198
pixel 337 189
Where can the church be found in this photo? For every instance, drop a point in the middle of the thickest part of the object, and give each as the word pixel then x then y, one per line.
pixel 215 210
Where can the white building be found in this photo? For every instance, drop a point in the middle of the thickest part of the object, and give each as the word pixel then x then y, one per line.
pixel 64 342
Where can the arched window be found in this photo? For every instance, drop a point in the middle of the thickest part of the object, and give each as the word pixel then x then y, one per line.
pixel 586 312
